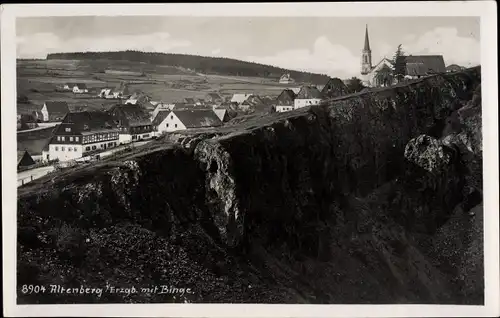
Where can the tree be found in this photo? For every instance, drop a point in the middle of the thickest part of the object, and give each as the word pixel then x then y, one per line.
pixel 398 63
pixel 355 85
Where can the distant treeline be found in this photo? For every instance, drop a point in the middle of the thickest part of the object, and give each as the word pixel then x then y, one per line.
pixel 200 64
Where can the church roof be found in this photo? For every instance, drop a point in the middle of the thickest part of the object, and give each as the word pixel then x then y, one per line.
pixel 367 41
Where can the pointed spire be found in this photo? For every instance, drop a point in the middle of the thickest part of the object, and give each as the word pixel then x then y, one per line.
pixel 367 42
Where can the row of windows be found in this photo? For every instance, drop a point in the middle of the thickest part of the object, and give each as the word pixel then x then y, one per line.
pixel 134 137
pixel 110 144
pixel 286 108
pixel 71 138
pixel 99 137
pixel 64 148
pixel 175 125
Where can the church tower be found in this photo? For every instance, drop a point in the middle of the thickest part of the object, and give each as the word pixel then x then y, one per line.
pixel 366 56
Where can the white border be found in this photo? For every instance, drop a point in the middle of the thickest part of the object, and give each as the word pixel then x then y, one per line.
pixel 485 9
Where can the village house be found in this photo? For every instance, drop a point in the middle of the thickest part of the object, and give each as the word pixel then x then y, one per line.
pixel 286 79
pixel 285 101
pixel 80 134
pixel 335 87
pixel 222 114
pixel 308 96
pixel 175 120
pixel 121 90
pixel 133 122
pixel 417 66
pixel 137 98
pixel 80 88
pixel 239 98
pixel 24 159
pixel 54 110
pixel 214 98
pixel 106 93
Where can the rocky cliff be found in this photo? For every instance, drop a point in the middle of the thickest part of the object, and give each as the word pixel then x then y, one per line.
pixel 370 198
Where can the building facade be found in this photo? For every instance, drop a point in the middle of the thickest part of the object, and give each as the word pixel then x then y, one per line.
pixel 133 122
pixel 54 110
pixel 81 134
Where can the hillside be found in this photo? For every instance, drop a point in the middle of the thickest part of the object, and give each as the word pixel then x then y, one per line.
pixel 362 200
pixel 200 64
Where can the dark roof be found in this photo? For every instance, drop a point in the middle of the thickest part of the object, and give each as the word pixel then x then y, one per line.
pixel 367 41
pixel 57 107
pixel 130 114
pixel 24 158
pixel 424 64
pixel 162 114
pixel 334 88
pixel 85 121
pixel 198 118
pixel 308 92
pixel 286 97
pixel 80 85
pixel 189 100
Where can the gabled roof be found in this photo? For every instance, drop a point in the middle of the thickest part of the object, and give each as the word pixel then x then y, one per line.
pixel 334 88
pixel 198 118
pixel 57 107
pixel 221 113
pixel 296 90
pixel 133 114
pixel 308 92
pixel 162 114
pixel 24 158
pixel 418 65
pixel 286 98
pixel 240 98
pixel 85 121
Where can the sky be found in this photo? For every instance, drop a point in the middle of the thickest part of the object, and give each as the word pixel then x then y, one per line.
pixel 326 45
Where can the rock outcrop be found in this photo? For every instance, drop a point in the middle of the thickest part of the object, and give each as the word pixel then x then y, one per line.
pixel 347 202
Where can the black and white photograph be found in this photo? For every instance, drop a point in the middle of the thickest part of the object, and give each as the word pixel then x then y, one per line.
pixel 238 154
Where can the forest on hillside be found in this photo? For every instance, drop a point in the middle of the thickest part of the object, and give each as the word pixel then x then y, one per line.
pixel 200 64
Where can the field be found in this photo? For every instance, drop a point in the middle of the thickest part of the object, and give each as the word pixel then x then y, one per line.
pixel 37 81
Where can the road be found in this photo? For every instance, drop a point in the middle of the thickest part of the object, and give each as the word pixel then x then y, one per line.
pixel 40 127
pixel 27 176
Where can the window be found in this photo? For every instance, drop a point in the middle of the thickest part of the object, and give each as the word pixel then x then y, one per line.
pixel 175 125
pixel 87 148
pixel 74 149
pixel 70 149
pixel 94 147
pixel 77 139
pixel 62 148
pixel 68 129
pixel 71 138
pixel 167 124
pixel 171 116
pixel 57 148
pixel 63 138
pixel 58 138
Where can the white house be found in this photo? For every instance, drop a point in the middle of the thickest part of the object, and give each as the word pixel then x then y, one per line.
pixel 308 96
pixel 79 88
pixel 286 79
pixel 80 134
pixel 54 110
pixel 285 101
pixel 106 93
pixel 168 121
pixel 240 98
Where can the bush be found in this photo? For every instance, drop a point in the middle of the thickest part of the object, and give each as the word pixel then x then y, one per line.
pixel 71 243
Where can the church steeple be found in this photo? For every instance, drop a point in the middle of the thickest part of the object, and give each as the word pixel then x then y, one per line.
pixel 366 55
pixel 367 41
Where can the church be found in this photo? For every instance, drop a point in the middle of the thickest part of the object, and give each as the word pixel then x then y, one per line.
pixel 378 75
pixel 381 74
